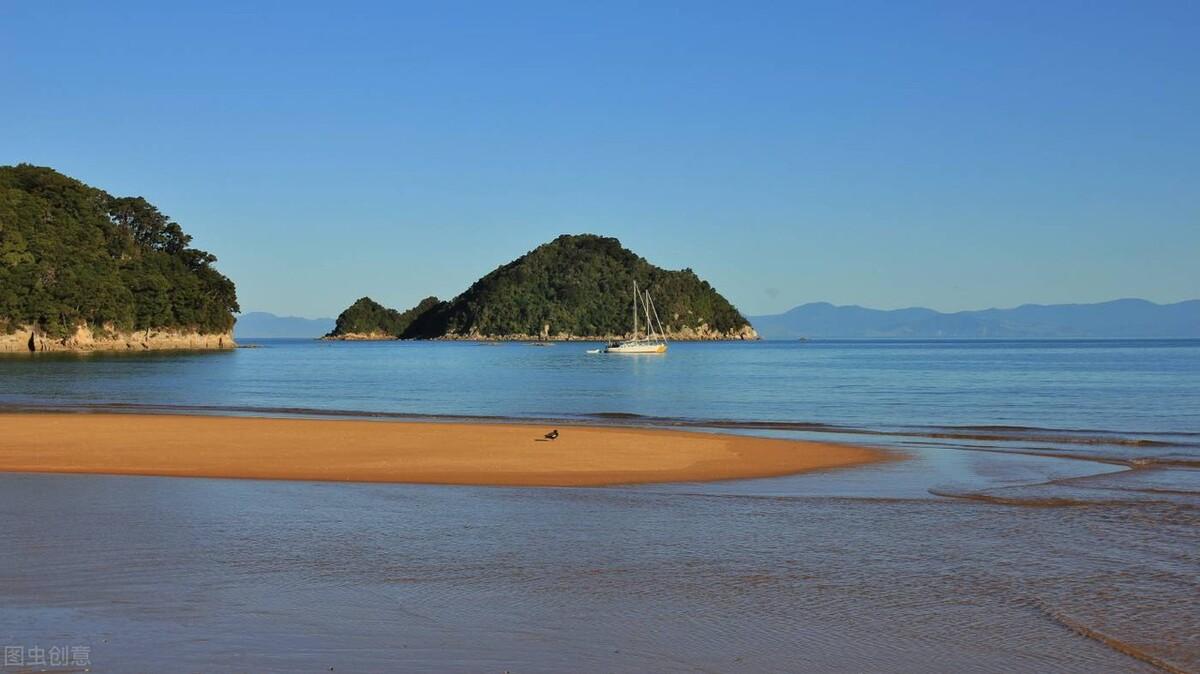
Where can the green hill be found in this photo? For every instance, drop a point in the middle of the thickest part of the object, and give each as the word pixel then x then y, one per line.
pixel 577 286
pixel 368 319
pixel 72 255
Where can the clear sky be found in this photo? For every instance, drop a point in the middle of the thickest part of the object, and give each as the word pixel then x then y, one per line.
pixel 953 155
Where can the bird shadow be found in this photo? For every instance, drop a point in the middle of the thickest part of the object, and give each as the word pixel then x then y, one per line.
pixel 540 440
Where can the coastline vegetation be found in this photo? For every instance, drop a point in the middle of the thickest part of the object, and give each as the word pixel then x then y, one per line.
pixel 577 285
pixel 72 254
pixel 368 317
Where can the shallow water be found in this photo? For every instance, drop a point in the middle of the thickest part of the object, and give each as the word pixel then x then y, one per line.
pixel 1046 517
pixel 1138 386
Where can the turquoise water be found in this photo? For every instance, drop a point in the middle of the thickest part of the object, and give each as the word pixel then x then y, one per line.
pixel 1045 516
pixel 1136 386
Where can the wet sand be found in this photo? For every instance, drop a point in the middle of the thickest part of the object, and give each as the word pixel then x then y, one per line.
pixel 373 451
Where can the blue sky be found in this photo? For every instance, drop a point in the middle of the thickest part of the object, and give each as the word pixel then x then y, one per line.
pixel 953 155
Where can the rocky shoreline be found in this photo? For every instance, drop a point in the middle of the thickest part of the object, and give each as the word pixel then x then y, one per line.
pixel 360 337
pixel 701 334
pixel 28 339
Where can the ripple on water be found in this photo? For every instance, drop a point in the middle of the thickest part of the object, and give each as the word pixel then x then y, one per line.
pixel 372 576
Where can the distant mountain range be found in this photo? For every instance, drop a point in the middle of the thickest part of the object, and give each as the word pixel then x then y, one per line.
pixel 1118 319
pixel 264 324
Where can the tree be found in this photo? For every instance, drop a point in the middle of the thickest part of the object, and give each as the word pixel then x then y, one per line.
pixel 577 284
pixel 71 254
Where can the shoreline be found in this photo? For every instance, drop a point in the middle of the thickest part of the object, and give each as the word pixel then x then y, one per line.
pixel 362 337
pixel 744 334
pixel 340 450
pixel 29 339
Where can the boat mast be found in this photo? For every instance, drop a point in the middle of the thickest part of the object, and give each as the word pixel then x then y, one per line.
pixel 635 296
pixel 646 307
pixel 661 330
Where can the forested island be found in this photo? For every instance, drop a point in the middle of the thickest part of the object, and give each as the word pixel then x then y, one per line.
pixel 367 319
pixel 575 287
pixel 81 269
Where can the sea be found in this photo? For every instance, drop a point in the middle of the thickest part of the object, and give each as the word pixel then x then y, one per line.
pixel 1043 514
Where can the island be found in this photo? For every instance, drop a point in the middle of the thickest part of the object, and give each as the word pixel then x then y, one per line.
pixel 367 319
pixel 576 287
pixel 82 270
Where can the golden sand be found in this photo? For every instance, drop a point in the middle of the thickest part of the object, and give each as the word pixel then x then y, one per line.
pixel 379 451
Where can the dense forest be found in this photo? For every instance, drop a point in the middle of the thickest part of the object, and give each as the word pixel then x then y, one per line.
pixel 368 317
pixel 577 285
pixel 72 254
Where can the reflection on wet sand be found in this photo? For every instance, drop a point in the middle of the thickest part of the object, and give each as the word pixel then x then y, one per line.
pixel 853 570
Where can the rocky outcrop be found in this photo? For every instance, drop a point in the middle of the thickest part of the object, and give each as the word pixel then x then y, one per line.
pixel 30 339
pixel 359 337
pixel 703 333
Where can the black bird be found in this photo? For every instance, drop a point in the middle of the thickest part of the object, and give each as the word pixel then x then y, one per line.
pixel 551 435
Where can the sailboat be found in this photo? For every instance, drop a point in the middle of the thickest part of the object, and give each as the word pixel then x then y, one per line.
pixel 655 340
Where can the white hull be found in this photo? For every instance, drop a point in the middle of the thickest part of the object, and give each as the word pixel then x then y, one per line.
pixel 636 347
pixel 652 342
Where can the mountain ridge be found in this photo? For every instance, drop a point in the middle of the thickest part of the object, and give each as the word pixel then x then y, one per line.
pixel 1129 318
pixel 264 324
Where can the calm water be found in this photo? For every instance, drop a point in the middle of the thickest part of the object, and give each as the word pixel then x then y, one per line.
pixel 1047 517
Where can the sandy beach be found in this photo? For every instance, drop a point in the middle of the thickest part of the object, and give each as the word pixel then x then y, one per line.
pixel 373 451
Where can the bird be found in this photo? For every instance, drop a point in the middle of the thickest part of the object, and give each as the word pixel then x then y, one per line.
pixel 551 435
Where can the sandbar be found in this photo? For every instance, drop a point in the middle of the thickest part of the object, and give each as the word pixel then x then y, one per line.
pixel 390 451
